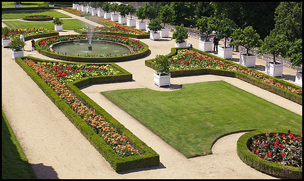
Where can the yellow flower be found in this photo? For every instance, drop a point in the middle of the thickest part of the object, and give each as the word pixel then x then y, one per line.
pixel 291 141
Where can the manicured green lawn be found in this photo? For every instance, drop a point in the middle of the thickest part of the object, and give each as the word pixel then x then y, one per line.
pixel 23 4
pixel 14 162
pixel 68 24
pixel 192 118
pixel 21 14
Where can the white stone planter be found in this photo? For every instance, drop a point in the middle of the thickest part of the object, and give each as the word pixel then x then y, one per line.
pixel 17 5
pixel 58 28
pixel 225 53
pixel 247 60
pixel 114 17
pixel 131 22
pixel 162 80
pixel 275 70
pixel 75 6
pixel 122 20
pixel 5 42
pixel 298 80
pixel 17 54
pixel 51 5
pixel 90 10
pixel 94 12
pixel 154 35
pixel 184 44
pixel 79 8
pixel 164 33
pixel 107 15
pixel 100 13
pixel 141 25
pixel 147 29
pixel 205 46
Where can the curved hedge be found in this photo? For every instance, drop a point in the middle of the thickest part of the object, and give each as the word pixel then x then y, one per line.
pixel 257 82
pixel 271 168
pixel 147 159
pixel 132 56
pixel 54 33
pixel 38 18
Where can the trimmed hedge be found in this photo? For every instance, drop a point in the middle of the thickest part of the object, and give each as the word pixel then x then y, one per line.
pixel 132 56
pixel 54 33
pixel 148 156
pixel 37 19
pixel 254 81
pixel 268 167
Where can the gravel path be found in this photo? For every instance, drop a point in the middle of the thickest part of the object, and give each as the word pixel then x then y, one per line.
pixel 56 149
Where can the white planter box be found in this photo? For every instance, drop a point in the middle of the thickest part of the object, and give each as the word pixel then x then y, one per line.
pixel 107 15
pixel 94 12
pixel 141 25
pixel 162 80
pixel 275 70
pixel 5 42
pixel 17 54
pixel 79 8
pixel 114 17
pixel 147 29
pixel 154 35
pixel 90 10
pixel 17 5
pixel 75 6
pixel 247 60
pixel 51 5
pixel 184 44
pixel 131 22
pixel 205 46
pixel 298 80
pixel 225 53
pixel 122 20
pixel 58 28
pixel 100 13
pixel 164 33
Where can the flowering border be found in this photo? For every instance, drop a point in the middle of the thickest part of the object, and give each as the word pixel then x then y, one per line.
pixel 148 156
pixel 39 17
pixel 271 168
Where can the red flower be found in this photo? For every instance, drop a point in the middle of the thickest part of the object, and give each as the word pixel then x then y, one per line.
pixel 269 154
pixel 283 154
pixel 266 145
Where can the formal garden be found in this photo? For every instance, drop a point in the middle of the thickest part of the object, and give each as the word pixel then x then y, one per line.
pixel 191 119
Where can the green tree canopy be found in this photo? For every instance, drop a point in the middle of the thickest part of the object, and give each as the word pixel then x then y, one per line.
pixel 155 25
pixel 141 14
pixel 150 11
pixel 295 53
pixel 106 7
pixel 184 13
pixel 207 25
pixel 246 37
pixel 122 10
pixel 166 13
pixel 113 7
pixel 131 9
pixel 180 34
pixel 225 28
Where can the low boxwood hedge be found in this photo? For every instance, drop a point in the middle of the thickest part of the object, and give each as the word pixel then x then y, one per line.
pixel 42 35
pixel 257 82
pixel 148 158
pixel 33 18
pixel 268 167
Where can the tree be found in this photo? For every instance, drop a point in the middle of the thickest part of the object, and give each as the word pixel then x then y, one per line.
pixel 225 28
pixel 184 13
pixel 113 7
pixel 206 25
pixel 130 9
pixel 122 10
pixel 155 25
pixel 274 44
pixel 166 13
pixel 180 34
pixel 141 14
pixel 288 20
pixel 246 37
pixel 295 53
pixel 106 7
pixel 150 12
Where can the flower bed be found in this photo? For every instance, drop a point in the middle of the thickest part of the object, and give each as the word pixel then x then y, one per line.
pixel 191 61
pixel 273 152
pixel 38 18
pixel 32 33
pixel 76 12
pixel 119 146
pixel 139 49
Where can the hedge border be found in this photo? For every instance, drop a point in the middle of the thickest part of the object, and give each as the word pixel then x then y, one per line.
pixel 38 19
pixel 148 158
pixel 254 81
pixel 53 33
pixel 271 168
pixel 133 56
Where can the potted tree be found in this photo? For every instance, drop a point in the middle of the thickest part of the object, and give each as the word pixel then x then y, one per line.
pixel 206 26
pixel 100 12
pixel 141 25
pixel 155 26
pixel 106 8
pixel 131 22
pixel 295 55
pixel 276 45
pixel 162 75
pixel 225 29
pixel 16 45
pixel 166 14
pixel 150 13
pixel 180 34
pixel 123 11
pixel 113 8
pixel 249 39
pixel 58 24
pixel 5 36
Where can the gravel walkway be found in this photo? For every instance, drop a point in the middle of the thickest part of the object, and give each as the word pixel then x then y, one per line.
pixel 56 149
